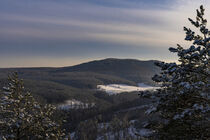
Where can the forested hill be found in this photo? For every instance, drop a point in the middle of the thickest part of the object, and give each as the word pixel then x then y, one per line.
pixel 130 69
pixel 80 81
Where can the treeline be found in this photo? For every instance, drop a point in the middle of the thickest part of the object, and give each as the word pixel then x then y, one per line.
pixel 75 116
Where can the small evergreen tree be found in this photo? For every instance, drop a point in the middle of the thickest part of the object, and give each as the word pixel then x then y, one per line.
pixel 22 118
pixel 183 102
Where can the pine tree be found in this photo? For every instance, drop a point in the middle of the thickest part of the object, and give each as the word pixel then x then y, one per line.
pixel 23 118
pixel 183 102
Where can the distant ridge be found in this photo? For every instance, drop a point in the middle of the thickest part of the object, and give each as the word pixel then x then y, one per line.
pixel 130 69
pixel 109 61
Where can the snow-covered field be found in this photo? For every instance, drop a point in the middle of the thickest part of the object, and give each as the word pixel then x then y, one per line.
pixel 75 104
pixel 120 88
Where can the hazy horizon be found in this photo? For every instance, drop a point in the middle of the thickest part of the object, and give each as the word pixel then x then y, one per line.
pixel 60 33
pixel 81 62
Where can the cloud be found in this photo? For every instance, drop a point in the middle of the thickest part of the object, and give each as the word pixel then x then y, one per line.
pixel 93 28
pixel 66 28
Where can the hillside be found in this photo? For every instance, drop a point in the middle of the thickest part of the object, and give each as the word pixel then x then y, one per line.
pixel 79 82
pixel 130 69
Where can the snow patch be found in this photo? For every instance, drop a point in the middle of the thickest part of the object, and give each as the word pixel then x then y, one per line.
pixel 75 104
pixel 120 88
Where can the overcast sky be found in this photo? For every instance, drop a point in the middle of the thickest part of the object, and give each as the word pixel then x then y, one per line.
pixel 67 32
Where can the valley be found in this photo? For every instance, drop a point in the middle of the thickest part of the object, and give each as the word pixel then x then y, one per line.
pixel 97 90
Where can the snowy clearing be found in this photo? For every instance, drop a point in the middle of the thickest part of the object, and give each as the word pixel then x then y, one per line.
pixel 75 104
pixel 120 88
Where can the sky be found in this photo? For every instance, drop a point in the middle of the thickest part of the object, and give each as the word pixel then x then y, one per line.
pixel 56 33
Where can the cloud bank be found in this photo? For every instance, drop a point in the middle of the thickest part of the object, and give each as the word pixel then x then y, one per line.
pixel 73 31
